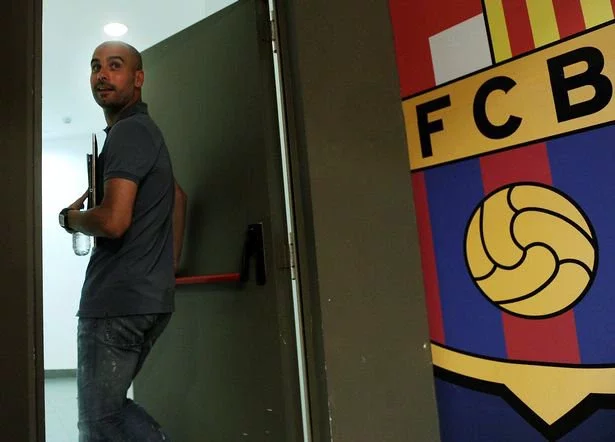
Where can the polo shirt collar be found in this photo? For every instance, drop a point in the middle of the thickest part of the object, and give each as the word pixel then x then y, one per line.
pixel 137 108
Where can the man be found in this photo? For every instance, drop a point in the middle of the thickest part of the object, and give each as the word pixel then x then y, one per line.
pixel 128 294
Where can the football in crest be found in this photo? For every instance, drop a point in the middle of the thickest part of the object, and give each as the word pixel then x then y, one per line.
pixel 531 250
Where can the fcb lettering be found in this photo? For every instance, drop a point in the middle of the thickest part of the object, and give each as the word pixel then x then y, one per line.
pixel 553 91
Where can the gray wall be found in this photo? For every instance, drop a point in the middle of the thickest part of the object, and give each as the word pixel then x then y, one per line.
pixel 359 252
pixel 20 241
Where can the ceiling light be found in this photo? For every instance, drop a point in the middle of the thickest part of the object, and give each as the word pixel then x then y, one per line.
pixel 115 29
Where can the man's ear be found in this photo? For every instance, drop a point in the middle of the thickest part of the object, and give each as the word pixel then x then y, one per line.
pixel 139 78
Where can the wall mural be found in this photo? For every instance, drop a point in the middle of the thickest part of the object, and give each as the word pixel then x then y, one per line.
pixel 509 114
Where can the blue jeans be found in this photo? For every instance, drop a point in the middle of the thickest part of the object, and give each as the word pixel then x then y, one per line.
pixel 111 351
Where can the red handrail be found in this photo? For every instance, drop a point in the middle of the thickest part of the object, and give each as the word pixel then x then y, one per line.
pixel 208 279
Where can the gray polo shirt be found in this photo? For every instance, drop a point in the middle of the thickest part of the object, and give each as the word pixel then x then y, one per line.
pixel 134 274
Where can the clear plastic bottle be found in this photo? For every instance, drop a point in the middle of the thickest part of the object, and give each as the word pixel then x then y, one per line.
pixel 81 244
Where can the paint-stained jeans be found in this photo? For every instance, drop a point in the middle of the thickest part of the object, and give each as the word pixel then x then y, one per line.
pixel 111 352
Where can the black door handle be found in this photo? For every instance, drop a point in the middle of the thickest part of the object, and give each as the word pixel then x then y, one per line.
pixel 254 247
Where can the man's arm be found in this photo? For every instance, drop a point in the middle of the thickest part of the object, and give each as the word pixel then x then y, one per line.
pixel 112 217
pixel 179 223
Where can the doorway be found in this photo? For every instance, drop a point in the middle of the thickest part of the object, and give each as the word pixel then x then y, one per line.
pixel 67 128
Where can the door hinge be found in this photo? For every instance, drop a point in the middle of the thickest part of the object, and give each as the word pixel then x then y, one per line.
pixel 292 256
pixel 274 35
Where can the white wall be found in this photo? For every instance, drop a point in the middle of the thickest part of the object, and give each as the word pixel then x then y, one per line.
pixel 64 180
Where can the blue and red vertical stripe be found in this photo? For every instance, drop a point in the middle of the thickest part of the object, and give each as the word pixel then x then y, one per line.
pixel 459 316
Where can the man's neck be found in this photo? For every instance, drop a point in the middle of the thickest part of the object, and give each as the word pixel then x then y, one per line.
pixel 112 115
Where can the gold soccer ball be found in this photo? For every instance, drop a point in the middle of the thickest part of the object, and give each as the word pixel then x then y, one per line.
pixel 531 250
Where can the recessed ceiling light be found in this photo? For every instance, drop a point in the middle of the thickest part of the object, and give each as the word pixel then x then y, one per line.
pixel 115 29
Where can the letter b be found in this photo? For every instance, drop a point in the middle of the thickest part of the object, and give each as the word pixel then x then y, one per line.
pixel 562 85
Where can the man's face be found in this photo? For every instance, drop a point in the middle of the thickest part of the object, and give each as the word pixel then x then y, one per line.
pixel 114 77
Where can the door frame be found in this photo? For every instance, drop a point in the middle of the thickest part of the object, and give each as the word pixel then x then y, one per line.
pixel 304 240
pixel 21 328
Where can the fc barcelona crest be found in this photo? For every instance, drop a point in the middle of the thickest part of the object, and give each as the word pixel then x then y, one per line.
pixel 512 151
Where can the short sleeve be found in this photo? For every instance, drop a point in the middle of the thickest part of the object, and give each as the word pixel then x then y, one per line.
pixel 130 152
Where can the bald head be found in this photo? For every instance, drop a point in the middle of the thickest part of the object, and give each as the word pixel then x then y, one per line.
pixel 135 59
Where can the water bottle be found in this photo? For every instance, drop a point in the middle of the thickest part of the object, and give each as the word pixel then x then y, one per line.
pixel 81 244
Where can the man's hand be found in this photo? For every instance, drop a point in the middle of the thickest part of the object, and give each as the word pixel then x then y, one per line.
pixel 112 217
pixel 78 204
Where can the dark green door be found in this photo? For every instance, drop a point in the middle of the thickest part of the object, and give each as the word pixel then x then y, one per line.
pixel 226 368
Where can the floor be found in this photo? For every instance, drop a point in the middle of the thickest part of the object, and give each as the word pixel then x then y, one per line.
pixel 61 409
